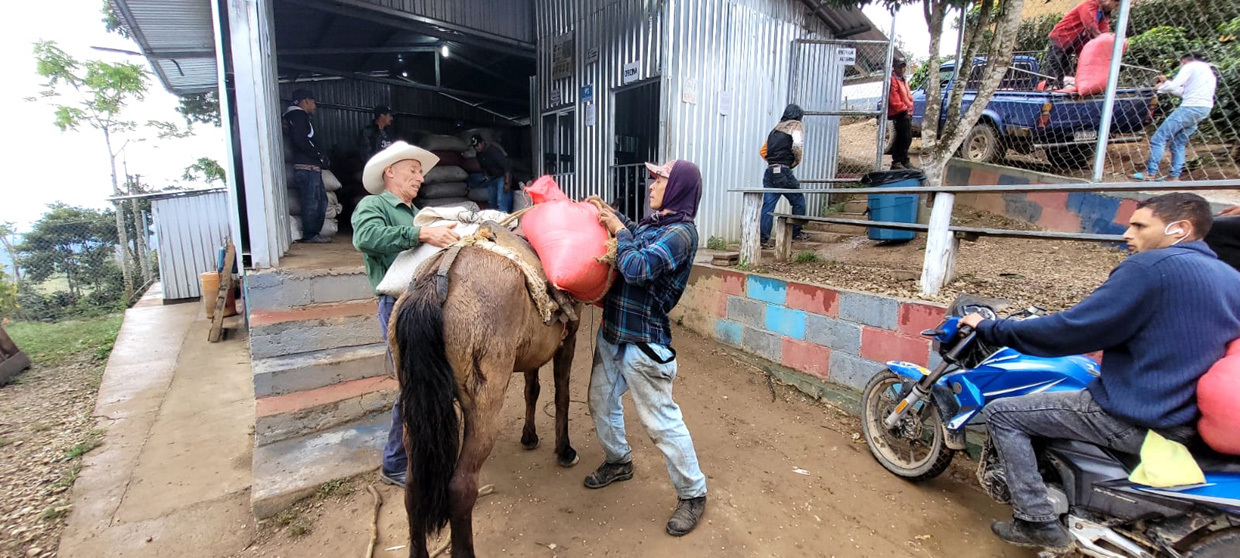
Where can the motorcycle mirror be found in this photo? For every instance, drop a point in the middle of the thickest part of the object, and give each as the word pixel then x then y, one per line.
pixel 932 333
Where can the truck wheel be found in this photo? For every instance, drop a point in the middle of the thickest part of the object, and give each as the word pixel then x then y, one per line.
pixel 1071 156
pixel 982 144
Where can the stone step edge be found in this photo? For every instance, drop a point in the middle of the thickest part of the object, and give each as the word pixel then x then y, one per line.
pixel 277 405
pixel 289 470
pixel 272 375
pixel 326 310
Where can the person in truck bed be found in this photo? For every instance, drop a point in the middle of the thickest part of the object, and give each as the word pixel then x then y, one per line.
pixel 1086 21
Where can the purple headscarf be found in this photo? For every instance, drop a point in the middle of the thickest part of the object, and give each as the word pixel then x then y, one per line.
pixel 681 197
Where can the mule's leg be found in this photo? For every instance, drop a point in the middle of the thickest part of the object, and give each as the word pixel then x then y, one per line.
pixel 529 436
pixel 482 425
pixel 565 455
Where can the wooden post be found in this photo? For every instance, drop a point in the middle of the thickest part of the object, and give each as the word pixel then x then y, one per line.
pixel 783 239
pixel 939 266
pixel 751 230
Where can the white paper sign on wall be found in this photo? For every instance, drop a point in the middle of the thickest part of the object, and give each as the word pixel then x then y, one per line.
pixel 847 56
pixel 631 71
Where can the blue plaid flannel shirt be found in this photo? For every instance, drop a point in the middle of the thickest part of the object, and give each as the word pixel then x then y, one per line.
pixel 654 263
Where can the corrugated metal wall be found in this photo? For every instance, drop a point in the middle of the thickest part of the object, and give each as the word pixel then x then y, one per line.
pixel 190 230
pixel 506 18
pixel 699 49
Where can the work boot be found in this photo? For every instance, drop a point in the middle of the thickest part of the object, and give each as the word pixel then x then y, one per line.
pixel 1045 534
pixel 897 166
pixel 394 479
pixel 686 516
pixel 608 473
pixel 317 239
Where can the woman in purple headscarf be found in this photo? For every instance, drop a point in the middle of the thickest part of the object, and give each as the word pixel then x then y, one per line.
pixel 635 351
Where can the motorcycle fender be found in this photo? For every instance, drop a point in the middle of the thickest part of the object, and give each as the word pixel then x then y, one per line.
pixel 908 369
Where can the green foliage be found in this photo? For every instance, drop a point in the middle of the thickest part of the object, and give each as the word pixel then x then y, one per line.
pixel 76 242
pixel 8 294
pixel 206 170
pixel 103 89
pixel 806 257
pixel 112 22
pixel 53 343
pixel 1159 48
pixel 716 243
pixel 201 108
pixel 1034 34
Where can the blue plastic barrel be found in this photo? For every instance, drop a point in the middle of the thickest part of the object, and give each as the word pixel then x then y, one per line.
pixel 894 208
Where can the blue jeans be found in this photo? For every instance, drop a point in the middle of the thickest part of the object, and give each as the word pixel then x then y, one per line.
pixel 497 198
pixel 313 201
pixel 1176 129
pixel 783 180
pixel 394 459
pixel 626 368
pixel 1072 415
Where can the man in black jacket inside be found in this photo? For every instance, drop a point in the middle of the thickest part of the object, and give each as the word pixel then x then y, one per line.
pixel 307 166
pixel 377 135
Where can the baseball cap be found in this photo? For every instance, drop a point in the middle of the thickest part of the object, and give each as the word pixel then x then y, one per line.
pixel 300 95
pixel 664 170
pixel 381 110
pixel 475 139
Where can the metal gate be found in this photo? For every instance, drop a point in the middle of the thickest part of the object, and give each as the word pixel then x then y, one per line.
pixel 842 86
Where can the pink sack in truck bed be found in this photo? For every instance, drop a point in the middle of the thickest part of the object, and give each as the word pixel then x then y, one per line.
pixel 568 239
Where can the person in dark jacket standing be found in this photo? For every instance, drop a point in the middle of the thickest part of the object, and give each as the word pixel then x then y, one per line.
pixel 498 172
pixel 307 166
pixel 1224 237
pixel 782 152
pixel 634 352
pixel 900 112
pixel 1079 26
pixel 376 136
pixel 1163 317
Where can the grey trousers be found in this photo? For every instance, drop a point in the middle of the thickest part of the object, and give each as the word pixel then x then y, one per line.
pixel 1065 416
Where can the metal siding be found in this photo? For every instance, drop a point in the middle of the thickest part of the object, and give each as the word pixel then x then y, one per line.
pixel 190 230
pixel 744 47
pixel 507 18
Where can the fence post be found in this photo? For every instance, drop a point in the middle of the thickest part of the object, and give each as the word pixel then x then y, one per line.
pixel 751 226
pixel 1108 106
pixel 940 263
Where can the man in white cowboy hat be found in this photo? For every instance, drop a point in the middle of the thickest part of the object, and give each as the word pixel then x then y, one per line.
pixel 382 228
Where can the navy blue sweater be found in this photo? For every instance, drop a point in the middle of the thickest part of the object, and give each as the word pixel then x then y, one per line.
pixel 1161 319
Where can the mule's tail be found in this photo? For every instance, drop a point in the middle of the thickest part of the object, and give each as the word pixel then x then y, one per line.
pixel 427 395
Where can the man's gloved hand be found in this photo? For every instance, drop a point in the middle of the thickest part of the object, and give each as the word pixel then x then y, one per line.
pixel 438 236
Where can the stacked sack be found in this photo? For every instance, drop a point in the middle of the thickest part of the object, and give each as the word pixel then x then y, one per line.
pixel 331 225
pixel 445 184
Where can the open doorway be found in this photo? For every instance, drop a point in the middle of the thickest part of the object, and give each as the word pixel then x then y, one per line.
pixel 637 141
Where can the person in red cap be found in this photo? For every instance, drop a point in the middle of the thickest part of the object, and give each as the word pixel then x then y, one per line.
pixel 634 352
pixel 1086 21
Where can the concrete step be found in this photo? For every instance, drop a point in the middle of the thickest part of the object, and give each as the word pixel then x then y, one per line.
pixel 317 369
pixel 303 329
pixel 281 417
pixel 287 471
pixel 858 204
pixel 281 289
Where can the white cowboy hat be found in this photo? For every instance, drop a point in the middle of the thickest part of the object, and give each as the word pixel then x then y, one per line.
pixel 372 176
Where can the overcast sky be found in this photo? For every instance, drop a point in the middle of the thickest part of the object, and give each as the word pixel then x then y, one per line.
pixel 912 31
pixel 44 165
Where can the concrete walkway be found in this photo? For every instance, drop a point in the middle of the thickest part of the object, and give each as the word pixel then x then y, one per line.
pixel 172 477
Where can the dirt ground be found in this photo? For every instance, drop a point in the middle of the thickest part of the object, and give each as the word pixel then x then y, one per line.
pixel 1052 274
pixel 752 437
pixel 45 426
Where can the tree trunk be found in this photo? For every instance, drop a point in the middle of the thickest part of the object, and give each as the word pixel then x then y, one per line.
pixel 122 238
pixel 144 253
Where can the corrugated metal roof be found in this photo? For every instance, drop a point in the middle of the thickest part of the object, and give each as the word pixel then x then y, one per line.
pixel 178 37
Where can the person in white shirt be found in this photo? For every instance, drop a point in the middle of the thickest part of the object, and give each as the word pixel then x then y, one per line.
pixel 1194 84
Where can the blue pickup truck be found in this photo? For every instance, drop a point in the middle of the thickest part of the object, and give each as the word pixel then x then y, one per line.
pixel 1021 118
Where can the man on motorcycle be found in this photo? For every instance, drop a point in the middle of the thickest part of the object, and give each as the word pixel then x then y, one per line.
pixel 1162 318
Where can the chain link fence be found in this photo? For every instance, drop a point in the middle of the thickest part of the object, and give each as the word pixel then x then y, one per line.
pixel 75 261
pixel 1055 133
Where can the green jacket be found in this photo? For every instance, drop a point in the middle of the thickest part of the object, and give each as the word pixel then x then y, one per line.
pixel 382 228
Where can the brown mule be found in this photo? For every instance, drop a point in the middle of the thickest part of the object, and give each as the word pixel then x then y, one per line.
pixel 462 352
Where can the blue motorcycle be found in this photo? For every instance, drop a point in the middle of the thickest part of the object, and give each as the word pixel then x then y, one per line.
pixel 915 420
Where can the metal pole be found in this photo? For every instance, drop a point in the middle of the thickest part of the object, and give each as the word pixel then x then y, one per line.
pixel 959 49
pixel 1108 107
pixel 882 114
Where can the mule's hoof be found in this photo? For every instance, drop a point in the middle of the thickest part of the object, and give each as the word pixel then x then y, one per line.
pixel 571 459
pixel 530 444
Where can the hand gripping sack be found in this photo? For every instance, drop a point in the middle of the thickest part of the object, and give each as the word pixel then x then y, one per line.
pixel 568 239
pixel 1094 65
pixel 1218 398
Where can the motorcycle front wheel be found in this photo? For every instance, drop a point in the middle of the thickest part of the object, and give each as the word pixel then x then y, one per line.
pixel 914 449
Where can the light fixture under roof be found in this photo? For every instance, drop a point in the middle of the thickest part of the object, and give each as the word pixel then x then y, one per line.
pixel 443 50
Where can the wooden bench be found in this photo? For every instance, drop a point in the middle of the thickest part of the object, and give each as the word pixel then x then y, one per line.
pixel 784 223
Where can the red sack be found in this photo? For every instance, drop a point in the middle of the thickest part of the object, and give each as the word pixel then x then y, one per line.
pixel 1094 65
pixel 568 239
pixel 1218 397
